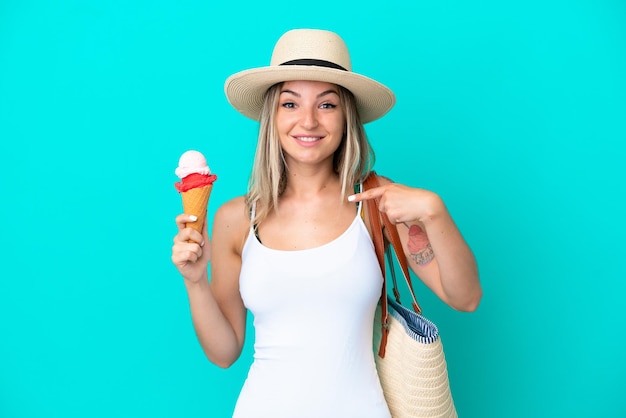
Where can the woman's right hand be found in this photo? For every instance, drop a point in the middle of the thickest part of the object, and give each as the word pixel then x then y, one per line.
pixel 191 252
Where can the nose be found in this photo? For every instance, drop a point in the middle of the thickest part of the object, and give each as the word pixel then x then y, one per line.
pixel 309 118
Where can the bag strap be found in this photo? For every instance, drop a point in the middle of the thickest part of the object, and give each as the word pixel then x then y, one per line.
pixel 379 246
pixel 398 250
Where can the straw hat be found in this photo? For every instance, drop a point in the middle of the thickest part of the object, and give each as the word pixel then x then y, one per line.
pixel 308 54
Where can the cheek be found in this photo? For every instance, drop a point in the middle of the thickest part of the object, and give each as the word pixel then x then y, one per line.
pixel 339 125
pixel 282 123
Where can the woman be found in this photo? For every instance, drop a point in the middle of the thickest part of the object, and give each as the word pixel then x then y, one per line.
pixel 297 251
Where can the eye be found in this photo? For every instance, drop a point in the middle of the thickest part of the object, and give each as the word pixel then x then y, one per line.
pixel 328 105
pixel 288 105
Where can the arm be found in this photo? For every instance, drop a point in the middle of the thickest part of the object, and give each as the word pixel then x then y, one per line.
pixel 218 313
pixel 435 248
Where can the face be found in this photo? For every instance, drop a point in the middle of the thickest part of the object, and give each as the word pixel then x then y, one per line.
pixel 310 121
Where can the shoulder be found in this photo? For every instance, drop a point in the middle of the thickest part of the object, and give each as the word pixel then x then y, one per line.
pixel 233 210
pixel 231 223
pixel 383 180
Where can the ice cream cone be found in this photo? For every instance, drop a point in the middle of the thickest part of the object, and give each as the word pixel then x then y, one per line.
pixel 195 202
pixel 195 186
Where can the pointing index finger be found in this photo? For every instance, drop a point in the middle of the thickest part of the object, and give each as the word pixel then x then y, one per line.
pixel 366 195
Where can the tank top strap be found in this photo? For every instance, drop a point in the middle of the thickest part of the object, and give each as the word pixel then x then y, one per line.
pixel 359 189
pixel 253 210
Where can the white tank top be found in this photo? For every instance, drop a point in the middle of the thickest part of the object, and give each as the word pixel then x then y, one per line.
pixel 313 318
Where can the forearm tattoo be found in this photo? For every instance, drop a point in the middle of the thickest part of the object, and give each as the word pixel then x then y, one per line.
pixel 420 250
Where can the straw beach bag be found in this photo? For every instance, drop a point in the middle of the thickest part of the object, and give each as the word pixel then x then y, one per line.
pixel 410 362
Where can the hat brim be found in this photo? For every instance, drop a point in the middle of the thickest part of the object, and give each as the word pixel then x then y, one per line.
pixel 245 89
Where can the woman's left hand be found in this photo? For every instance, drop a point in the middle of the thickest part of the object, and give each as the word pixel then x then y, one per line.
pixel 403 204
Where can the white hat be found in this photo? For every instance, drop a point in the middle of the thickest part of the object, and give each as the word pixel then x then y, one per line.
pixel 308 54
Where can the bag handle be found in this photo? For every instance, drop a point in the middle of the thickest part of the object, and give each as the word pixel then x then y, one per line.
pixel 379 246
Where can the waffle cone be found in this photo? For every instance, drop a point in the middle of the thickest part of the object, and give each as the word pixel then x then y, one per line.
pixel 195 202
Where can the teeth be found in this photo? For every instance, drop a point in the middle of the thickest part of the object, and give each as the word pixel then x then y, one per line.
pixel 309 138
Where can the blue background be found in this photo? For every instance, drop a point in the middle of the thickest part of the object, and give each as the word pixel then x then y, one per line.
pixel 514 112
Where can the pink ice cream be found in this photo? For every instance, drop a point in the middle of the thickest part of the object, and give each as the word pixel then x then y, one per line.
pixel 193 171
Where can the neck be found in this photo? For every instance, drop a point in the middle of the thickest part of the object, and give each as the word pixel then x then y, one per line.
pixel 311 183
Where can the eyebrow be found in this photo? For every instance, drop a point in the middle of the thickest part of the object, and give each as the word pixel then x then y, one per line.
pixel 324 93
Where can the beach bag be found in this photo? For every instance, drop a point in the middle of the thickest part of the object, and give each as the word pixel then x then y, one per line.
pixel 410 361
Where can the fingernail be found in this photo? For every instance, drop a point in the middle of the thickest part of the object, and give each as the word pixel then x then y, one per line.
pixel 351 198
pixel 202 244
pixel 193 218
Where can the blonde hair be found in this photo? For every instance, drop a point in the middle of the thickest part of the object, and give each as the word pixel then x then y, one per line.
pixel 352 161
